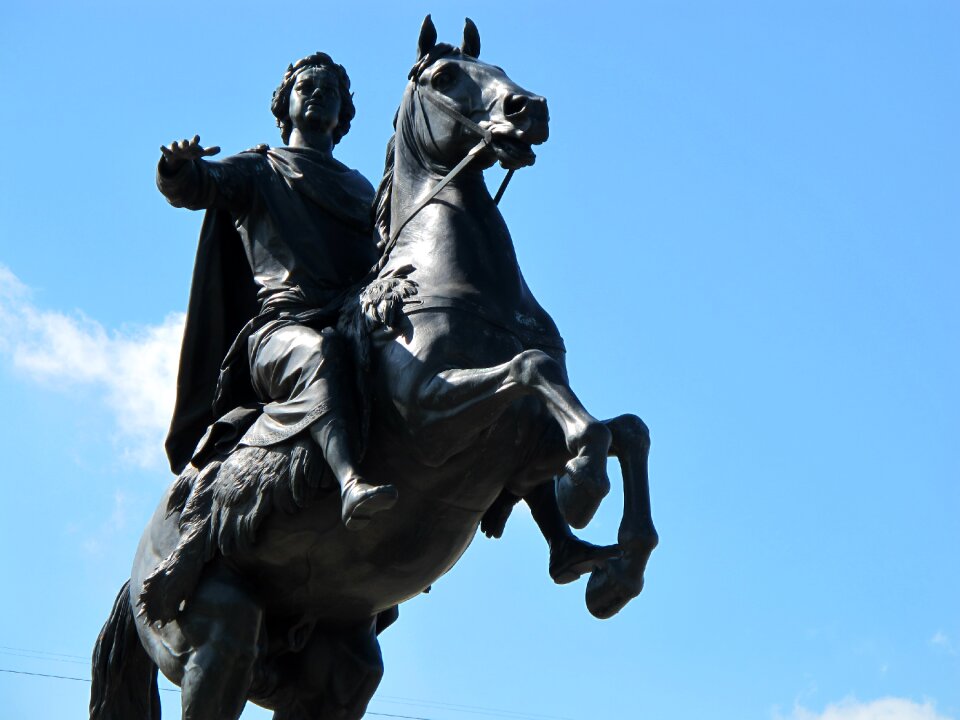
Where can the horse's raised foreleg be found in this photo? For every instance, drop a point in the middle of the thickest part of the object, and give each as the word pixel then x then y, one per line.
pixel 458 402
pixel 570 557
pixel 617 581
pixel 617 571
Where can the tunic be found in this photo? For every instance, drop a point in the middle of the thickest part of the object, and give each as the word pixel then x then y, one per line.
pixel 302 221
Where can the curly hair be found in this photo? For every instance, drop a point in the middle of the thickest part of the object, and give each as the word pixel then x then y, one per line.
pixel 280 106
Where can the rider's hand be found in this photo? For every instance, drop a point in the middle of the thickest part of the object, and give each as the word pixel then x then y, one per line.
pixel 382 301
pixel 180 153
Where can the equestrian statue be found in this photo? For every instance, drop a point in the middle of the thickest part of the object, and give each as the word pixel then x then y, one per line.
pixel 365 381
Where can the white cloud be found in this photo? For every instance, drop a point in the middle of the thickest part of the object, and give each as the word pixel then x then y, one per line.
pixel 136 369
pixel 942 641
pixel 890 708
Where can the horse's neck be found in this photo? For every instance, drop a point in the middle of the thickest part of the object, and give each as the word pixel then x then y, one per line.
pixel 413 180
pixel 458 243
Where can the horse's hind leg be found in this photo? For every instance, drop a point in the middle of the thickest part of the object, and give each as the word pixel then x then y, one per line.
pixel 334 677
pixel 455 402
pixel 222 627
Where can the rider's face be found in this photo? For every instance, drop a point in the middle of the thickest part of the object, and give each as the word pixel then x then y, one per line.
pixel 315 101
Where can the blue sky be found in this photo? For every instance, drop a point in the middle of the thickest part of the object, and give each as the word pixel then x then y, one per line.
pixel 746 226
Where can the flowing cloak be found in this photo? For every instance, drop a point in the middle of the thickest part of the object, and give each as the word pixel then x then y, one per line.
pixel 287 230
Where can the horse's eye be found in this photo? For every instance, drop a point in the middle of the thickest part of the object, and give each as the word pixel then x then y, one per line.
pixel 442 79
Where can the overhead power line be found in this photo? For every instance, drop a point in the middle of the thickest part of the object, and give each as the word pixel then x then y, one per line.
pixel 472 709
pixel 46 675
pixel 392 699
pixel 30 655
pixel 62 677
pixel 86 680
pixel 79 658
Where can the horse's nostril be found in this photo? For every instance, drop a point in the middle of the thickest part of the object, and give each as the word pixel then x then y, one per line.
pixel 514 104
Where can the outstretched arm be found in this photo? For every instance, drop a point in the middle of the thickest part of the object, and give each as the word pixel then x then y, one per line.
pixel 187 180
pixel 183 152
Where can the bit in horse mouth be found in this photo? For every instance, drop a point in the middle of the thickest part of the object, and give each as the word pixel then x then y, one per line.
pixel 512 152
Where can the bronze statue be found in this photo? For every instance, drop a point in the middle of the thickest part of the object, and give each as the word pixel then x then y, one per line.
pixel 248 584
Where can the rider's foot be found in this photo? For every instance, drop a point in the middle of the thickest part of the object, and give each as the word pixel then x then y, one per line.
pixel 572 557
pixel 360 501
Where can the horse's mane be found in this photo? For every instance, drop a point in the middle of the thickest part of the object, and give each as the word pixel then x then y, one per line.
pixel 383 201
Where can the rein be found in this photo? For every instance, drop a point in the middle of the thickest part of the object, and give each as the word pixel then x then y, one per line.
pixel 486 137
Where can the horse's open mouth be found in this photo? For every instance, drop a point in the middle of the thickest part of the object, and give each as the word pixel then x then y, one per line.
pixel 513 153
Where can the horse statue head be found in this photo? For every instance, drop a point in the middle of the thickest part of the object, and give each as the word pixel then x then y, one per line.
pixel 458 116
pixel 477 101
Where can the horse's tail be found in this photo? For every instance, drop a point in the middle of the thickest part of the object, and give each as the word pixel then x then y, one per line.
pixel 124 676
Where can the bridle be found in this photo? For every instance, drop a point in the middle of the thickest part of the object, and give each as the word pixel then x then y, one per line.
pixel 486 138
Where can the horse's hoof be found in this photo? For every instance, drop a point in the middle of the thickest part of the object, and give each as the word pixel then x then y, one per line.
pixel 362 501
pixel 581 488
pixel 611 587
pixel 576 558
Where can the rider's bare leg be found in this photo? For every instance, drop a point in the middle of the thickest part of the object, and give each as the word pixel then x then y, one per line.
pixel 459 400
pixel 222 625
pixel 359 500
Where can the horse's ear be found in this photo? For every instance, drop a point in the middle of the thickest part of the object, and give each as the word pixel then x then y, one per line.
pixel 428 37
pixel 471 39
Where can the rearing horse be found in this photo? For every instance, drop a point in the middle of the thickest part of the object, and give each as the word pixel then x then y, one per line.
pixel 471 410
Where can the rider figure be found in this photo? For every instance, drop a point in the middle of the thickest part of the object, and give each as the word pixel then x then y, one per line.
pixel 302 220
